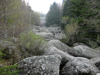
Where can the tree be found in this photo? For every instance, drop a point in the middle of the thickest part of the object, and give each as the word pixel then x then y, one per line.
pixel 35 18
pixel 53 16
pixel 15 17
pixel 87 14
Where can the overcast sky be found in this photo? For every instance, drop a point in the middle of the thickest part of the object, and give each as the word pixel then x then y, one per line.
pixel 42 5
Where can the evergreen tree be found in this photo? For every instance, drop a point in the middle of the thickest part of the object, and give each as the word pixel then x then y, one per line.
pixel 87 14
pixel 53 16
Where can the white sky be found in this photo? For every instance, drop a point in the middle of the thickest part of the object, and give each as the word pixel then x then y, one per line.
pixel 42 5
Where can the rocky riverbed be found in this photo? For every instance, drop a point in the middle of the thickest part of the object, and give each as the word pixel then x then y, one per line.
pixel 58 58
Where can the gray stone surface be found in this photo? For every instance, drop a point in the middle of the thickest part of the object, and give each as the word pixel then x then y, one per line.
pixel 86 51
pixel 98 74
pixel 53 50
pixel 41 65
pixel 49 32
pixel 58 44
pixel 47 36
pixel 79 66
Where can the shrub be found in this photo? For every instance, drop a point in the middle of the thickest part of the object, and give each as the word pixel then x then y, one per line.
pixel 92 44
pixel 72 28
pixel 32 42
pixel 9 70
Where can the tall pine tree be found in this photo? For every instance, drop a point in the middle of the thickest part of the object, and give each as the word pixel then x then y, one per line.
pixel 53 16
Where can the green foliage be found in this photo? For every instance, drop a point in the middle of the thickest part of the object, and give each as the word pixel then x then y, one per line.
pixel 35 18
pixel 1 54
pixel 9 70
pixel 72 28
pixel 15 17
pixel 93 44
pixel 98 38
pixel 87 14
pixel 54 15
pixel 32 42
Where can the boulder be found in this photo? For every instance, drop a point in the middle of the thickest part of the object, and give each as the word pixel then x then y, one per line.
pixel 37 29
pixel 98 74
pixel 49 32
pixel 4 44
pixel 1 65
pixel 54 29
pixel 58 44
pixel 77 44
pixel 96 61
pixel 77 51
pixel 15 53
pixel 53 50
pixel 86 51
pixel 47 36
pixel 79 66
pixel 59 34
pixel 40 65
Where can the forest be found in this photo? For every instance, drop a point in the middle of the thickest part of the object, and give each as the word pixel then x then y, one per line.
pixel 26 33
pixel 15 17
pixel 79 19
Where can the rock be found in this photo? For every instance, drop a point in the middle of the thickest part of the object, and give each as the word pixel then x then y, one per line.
pixel 77 51
pixel 15 53
pixel 97 49
pixel 96 61
pixel 13 39
pixel 47 36
pixel 86 51
pixel 53 50
pixel 79 66
pixel 4 44
pixel 1 65
pixel 37 29
pixel 41 65
pixel 77 44
pixel 58 44
pixel 98 74
pixel 49 32
pixel 59 34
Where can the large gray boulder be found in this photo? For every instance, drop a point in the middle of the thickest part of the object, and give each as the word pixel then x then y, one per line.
pixel 41 65
pixel 77 51
pixel 53 50
pixel 79 66
pixel 58 44
pixel 98 74
pixel 86 51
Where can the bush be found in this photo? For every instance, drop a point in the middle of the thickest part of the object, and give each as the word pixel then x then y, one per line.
pixel 72 28
pixel 32 42
pixel 9 70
